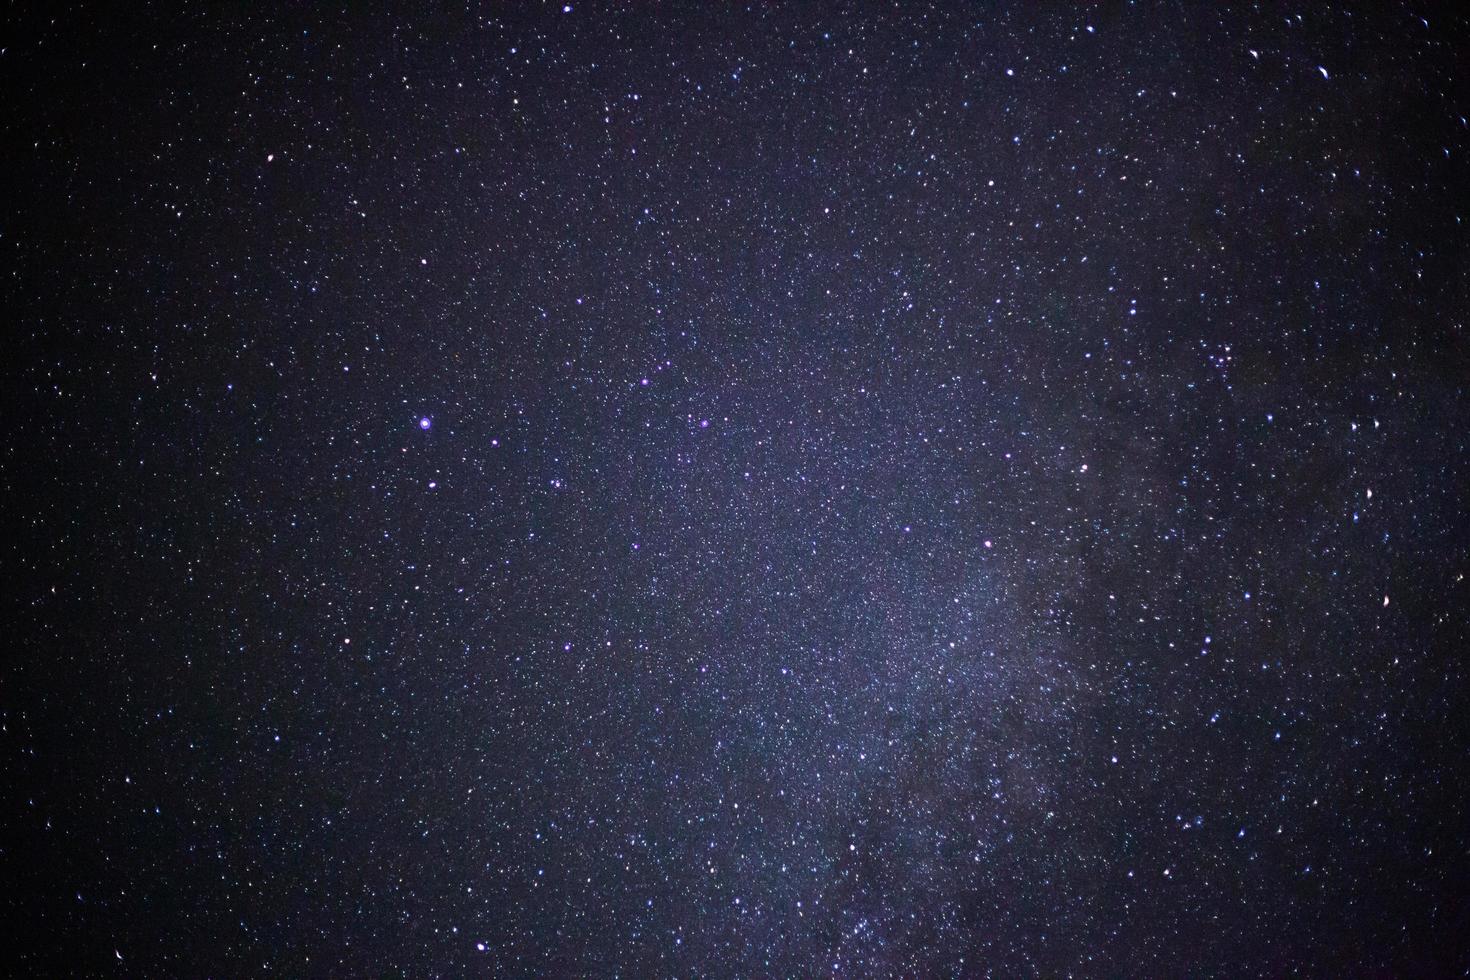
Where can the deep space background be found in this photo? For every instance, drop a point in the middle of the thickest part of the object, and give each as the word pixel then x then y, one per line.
pixel 882 489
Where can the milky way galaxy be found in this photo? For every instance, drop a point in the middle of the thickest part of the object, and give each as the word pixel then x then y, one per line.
pixel 782 490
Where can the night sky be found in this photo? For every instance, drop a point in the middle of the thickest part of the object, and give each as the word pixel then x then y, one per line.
pixel 667 490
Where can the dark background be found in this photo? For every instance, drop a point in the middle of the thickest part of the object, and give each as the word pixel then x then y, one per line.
pixel 984 580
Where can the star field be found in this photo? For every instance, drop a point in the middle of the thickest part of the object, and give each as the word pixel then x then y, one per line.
pixel 775 490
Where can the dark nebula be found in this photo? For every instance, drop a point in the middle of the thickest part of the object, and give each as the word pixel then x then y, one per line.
pixel 667 490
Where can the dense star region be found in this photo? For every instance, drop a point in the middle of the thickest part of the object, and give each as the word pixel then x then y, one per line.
pixel 781 490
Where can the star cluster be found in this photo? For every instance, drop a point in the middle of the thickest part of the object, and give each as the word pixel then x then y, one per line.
pixel 708 490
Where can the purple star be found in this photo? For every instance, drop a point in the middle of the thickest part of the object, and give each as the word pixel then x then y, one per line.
pixel 424 422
